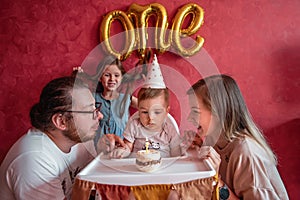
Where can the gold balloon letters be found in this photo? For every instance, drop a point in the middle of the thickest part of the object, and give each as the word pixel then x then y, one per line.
pixel 135 24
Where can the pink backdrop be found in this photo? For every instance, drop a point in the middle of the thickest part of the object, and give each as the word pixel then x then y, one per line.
pixel 257 42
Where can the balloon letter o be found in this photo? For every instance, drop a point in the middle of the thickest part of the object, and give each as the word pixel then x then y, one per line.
pixel 129 33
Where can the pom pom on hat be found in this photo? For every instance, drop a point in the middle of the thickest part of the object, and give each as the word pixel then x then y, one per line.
pixel 154 77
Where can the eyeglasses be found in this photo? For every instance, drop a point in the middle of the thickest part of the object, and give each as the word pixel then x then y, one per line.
pixel 95 112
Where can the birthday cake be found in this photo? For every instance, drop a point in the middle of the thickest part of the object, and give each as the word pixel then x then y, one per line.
pixel 148 161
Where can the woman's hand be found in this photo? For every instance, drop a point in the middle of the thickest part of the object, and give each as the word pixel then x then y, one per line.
pixel 208 152
pixel 191 140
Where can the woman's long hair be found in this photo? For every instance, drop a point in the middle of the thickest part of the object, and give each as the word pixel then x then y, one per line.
pixel 221 94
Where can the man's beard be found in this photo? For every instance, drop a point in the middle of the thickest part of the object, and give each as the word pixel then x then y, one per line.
pixel 76 134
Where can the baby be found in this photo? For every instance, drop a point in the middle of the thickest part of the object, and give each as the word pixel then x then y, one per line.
pixel 152 121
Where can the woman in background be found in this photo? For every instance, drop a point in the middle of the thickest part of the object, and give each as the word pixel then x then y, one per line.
pixel 106 86
pixel 114 104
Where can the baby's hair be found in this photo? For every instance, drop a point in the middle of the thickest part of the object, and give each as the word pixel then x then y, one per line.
pixel 150 93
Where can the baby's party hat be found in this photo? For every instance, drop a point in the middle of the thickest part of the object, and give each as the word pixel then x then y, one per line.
pixel 154 77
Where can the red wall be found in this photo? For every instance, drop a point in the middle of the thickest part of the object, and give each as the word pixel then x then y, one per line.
pixel 257 42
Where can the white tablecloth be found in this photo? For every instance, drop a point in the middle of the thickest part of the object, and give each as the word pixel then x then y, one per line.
pixel 124 171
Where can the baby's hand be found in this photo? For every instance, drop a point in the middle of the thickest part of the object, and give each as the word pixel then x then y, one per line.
pixel 120 153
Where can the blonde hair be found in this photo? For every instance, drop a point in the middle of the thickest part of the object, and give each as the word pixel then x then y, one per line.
pixel 221 94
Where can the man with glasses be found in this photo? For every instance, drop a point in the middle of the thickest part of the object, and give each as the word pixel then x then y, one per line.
pixel 44 162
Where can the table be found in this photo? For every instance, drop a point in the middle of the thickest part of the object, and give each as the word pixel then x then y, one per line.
pixel 120 179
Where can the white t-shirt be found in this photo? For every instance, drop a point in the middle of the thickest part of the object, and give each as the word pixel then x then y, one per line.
pixel 35 168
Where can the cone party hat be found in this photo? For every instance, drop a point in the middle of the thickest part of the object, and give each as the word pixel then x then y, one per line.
pixel 154 77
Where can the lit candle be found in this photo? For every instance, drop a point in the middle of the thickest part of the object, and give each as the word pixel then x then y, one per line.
pixel 147 145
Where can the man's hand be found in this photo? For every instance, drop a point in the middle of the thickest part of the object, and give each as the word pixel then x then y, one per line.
pixel 120 153
pixel 108 143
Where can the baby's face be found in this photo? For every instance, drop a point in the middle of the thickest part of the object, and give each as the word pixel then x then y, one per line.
pixel 153 113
